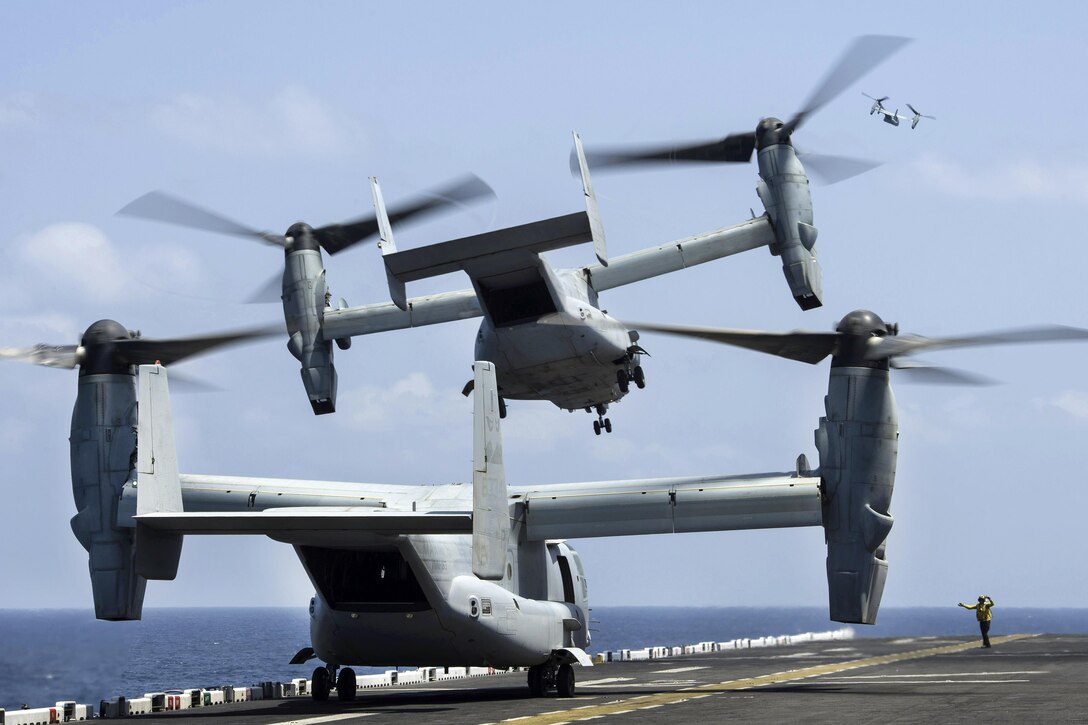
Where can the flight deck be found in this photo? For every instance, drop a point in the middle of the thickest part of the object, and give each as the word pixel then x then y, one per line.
pixel 1022 678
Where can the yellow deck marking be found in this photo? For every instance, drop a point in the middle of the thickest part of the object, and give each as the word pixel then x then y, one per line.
pixel 671 698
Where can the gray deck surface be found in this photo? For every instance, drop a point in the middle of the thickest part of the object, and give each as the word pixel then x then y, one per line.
pixel 1023 678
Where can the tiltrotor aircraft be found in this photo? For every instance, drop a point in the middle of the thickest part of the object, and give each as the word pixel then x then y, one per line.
pixel 893 117
pixel 544 328
pixel 474 574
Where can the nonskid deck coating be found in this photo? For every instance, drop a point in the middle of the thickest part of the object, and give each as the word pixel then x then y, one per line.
pixel 1022 678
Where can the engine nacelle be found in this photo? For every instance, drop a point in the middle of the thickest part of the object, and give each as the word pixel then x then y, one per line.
pixel 305 297
pixel 783 189
pixel 103 446
pixel 858 442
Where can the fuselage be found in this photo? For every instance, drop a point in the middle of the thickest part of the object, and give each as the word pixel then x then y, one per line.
pixel 416 600
pixel 564 348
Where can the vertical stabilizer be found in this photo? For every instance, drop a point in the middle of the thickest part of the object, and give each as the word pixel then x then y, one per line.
pixel 158 487
pixel 490 504
pixel 595 225
pixel 388 246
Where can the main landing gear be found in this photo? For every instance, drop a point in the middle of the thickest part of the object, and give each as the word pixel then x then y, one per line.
pixel 601 423
pixel 547 676
pixel 624 378
pixel 325 678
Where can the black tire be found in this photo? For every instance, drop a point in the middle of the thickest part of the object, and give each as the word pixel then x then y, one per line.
pixel 345 685
pixel 623 381
pixel 564 681
pixel 608 425
pixel 320 685
pixel 536 681
pixel 597 427
pixel 640 377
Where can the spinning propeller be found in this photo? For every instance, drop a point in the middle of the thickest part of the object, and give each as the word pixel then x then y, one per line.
pixel 863 54
pixel 862 339
pixel 107 347
pixel 162 207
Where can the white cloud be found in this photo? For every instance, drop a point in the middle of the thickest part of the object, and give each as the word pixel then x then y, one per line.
pixel 1073 402
pixel 73 257
pixel 1026 178
pixel 72 262
pixel 409 403
pixel 293 122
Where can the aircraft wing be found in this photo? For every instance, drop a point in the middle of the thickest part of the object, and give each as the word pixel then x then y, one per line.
pixel 670 505
pixel 382 317
pixel 683 253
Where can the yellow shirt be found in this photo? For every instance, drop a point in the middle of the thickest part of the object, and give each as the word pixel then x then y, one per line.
pixel 983 614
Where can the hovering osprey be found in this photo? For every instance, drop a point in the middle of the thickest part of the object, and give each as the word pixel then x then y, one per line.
pixel 893 117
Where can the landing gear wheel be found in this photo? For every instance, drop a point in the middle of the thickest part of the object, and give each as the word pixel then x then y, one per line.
pixel 608 425
pixel 345 685
pixel 320 685
pixel 502 407
pixel 536 681
pixel 623 381
pixel 640 377
pixel 564 681
pixel 597 427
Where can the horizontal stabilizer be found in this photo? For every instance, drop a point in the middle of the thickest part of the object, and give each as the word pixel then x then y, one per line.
pixel 445 257
pixel 304 519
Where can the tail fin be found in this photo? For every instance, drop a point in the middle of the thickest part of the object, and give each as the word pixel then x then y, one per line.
pixel 385 233
pixel 595 226
pixel 158 487
pixel 490 503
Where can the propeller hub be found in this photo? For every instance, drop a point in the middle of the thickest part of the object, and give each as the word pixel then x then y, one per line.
pixel 100 352
pixel 300 236
pixel 771 131
pixel 858 329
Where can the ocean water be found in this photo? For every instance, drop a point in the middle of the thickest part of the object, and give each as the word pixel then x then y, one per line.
pixel 52 655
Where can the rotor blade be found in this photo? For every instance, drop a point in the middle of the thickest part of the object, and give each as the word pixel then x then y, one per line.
pixel 908 344
pixel 736 148
pixel 878 100
pixel 808 347
pixel 65 357
pixel 141 351
pixel 919 372
pixel 338 237
pixel 833 169
pixel 182 383
pixel 162 207
pixel 864 54
pixel 269 292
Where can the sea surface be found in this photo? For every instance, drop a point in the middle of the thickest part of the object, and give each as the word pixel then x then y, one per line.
pixel 51 655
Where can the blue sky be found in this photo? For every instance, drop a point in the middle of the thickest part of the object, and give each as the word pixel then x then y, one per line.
pixel 274 112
